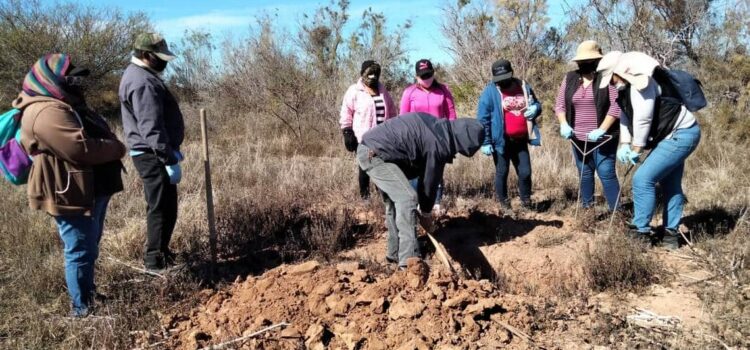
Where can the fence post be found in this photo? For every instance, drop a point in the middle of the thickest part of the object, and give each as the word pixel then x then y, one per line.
pixel 209 193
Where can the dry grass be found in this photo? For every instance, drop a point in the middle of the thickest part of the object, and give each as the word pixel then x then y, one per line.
pixel 277 202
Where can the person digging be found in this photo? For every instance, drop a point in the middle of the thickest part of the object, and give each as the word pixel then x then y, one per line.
pixel 413 146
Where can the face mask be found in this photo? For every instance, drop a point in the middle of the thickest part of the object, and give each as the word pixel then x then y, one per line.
pixel 426 82
pixel 157 63
pixel 587 67
pixel 371 80
pixel 621 86
pixel 504 84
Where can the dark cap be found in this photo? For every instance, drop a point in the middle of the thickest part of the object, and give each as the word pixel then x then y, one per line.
pixel 74 71
pixel 367 64
pixel 424 66
pixel 501 70
pixel 155 43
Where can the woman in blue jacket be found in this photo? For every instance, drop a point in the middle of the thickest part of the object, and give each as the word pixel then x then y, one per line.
pixel 508 110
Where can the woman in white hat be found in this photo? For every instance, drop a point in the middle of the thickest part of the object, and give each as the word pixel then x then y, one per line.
pixel 653 118
pixel 588 115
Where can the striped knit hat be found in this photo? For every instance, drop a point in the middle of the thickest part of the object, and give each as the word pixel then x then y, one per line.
pixel 46 76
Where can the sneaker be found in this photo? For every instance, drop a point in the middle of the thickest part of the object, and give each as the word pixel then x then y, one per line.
pixel 671 240
pixel 505 206
pixel 528 205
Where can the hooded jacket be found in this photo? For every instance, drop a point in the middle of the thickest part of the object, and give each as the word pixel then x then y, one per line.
pixel 358 109
pixel 420 145
pixel 62 181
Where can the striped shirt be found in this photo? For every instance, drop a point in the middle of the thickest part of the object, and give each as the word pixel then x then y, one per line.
pixel 379 108
pixel 583 101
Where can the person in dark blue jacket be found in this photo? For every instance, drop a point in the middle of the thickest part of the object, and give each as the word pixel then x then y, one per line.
pixel 414 145
pixel 508 109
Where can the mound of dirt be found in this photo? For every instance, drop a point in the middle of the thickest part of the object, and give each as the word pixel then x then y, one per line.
pixel 347 307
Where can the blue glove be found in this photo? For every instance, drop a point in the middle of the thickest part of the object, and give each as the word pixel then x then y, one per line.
pixel 174 172
pixel 531 111
pixel 178 155
pixel 566 131
pixel 487 150
pixel 595 135
pixel 634 157
pixel 623 153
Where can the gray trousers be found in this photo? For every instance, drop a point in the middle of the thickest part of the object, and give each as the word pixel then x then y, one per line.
pixel 400 200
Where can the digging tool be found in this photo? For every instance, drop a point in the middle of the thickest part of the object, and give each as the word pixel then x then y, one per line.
pixel 619 195
pixel 439 248
pixel 585 152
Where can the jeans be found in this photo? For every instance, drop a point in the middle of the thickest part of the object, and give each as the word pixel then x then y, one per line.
pixel 161 208
pixel 438 196
pixel 81 236
pixel 518 153
pixel 664 165
pixel 400 200
pixel 601 161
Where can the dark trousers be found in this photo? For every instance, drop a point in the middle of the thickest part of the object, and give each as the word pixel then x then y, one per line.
pixel 518 153
pixel 161 201
pixel 364 184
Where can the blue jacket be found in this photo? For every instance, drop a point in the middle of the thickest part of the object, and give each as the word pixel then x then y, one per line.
pixel 490 114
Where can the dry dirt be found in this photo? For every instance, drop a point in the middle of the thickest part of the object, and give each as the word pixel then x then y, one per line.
pixel 520 285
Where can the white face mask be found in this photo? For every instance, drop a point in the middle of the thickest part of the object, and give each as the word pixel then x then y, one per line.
pixel 621 86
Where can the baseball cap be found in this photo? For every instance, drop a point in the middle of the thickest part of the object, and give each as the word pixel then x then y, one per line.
pixel 424 66
pixel 153 42
pixel 501 70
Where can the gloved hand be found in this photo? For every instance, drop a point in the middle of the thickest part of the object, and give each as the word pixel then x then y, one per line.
pixel 487 150
pixel 623 152
pixel 531 111
pixel 350 140
pixel 566 131
pixel 179 156
pixel 427 222
pixel 174 172
pixel 595 135
pixel 634 157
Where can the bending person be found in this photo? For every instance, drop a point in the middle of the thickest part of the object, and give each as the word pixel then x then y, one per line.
pixel 657 120
pixel 414 145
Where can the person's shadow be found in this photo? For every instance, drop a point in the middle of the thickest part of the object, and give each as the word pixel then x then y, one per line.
pixel 463 236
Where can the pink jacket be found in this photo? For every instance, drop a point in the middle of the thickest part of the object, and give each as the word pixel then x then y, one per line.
pixel 358 109
pixel 437 101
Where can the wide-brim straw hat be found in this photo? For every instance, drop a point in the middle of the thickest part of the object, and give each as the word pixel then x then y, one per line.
pixel 588 50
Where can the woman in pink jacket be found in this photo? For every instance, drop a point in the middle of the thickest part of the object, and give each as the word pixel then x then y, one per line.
pixel 366 104
pixel 429 96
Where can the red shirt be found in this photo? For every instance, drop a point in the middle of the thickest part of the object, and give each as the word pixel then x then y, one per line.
pixel 514 104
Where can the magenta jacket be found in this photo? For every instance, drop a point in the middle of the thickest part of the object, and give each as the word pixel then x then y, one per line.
pixel 437 101
pixel 358 109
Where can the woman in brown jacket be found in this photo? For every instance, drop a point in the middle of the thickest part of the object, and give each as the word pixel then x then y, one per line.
pixel 76 166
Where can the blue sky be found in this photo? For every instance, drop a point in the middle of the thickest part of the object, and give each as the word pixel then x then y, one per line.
pixel 220 17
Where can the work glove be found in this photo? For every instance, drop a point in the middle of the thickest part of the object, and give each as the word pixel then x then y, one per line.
pixel 595 135
pixel 530 112
pixel 623 152
pixel 565 130
pixel 350 140
pixel 174 172
pixel 427 222
pixel 487 150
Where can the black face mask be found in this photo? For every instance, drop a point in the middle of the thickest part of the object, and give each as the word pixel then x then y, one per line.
pixel 157 63
pixel 371 77
pixel 504 84
pixel 587 67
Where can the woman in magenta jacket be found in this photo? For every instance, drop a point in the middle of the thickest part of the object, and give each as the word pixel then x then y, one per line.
pixel 428 96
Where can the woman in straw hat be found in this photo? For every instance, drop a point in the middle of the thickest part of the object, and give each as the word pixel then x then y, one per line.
pixel 588 114
pixel 652 121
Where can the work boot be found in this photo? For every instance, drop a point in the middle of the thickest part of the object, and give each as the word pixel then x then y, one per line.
pixel 671 240
pixel 505 206
pixel 528 205
pixel 644 237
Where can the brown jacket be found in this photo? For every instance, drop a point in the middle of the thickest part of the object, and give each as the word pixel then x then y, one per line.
pixel 61 181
